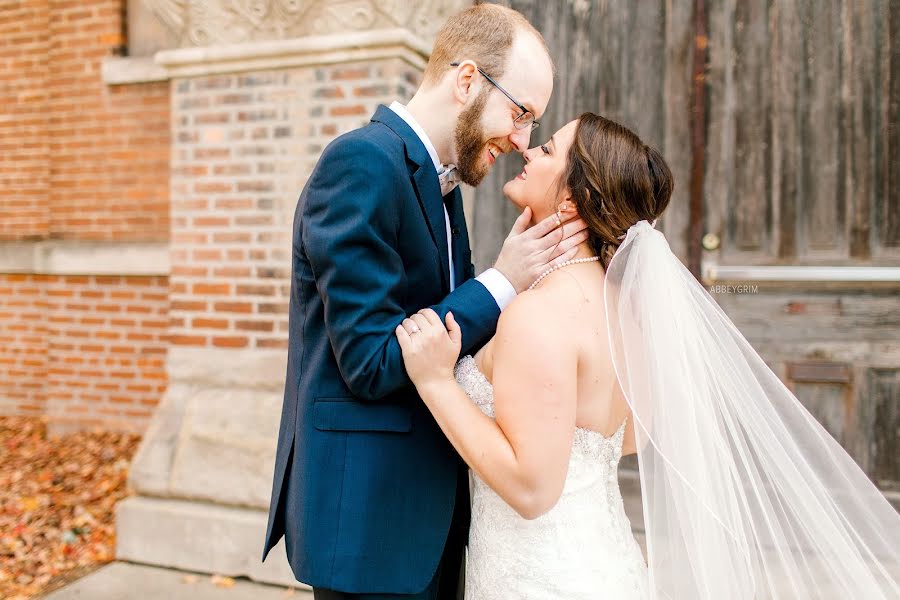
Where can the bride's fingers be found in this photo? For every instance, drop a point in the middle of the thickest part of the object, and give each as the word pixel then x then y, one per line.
pixel 544 227
pixel 431 316
pixel 421 321
pixel 570 242
pixel 559 260
pixel 550 223
pixel 453 329
pixel 572 226
pixel 410 326
pixel 402 337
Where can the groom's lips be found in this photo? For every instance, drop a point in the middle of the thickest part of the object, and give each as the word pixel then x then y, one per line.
pixel 493 151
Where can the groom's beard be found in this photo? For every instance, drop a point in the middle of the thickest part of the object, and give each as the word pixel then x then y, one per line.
pixel 470 143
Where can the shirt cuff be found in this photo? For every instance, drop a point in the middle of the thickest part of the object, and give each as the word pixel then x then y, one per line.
pixel 498 286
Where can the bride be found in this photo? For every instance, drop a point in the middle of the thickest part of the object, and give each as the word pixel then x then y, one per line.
pixel 621 351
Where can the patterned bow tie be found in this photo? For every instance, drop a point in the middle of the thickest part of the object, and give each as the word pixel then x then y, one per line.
pixel 448 176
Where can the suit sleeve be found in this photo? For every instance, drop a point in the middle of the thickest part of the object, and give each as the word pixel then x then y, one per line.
pixel 349 229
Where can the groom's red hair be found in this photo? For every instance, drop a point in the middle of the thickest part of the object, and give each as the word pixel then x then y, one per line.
pixel 483 33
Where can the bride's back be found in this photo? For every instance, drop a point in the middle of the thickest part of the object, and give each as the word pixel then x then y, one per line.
pixel 573 298
pixel 571 301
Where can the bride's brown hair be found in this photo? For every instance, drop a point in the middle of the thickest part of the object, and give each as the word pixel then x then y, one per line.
pixel 615 180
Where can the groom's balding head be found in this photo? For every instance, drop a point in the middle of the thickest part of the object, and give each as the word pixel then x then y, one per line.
pixel 486 34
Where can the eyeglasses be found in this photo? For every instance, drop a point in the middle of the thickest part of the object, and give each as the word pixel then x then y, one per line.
pixel 526 119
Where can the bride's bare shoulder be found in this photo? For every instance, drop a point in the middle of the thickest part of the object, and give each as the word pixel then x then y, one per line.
pixel 545 309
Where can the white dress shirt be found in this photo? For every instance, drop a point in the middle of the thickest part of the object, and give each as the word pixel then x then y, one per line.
pixel 496 283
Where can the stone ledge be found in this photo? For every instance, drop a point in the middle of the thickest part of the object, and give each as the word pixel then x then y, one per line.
pixel 798 273
pixel 265 55
pixel 116 70
pixel 59 257
pixel 198 536
pixel 119 580
pixel 231 368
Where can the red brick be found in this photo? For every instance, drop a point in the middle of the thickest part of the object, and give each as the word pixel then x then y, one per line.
pixel 211 289
pixel 253 325
pixel 203 323
pixel 230 342
pixel 347 111
pixel 233 307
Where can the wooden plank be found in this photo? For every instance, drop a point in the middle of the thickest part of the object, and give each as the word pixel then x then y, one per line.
pixel 786 146
pixel 821 202
pixel 606 45
pixel 889 180
pixel 819 372
pixel 831 405
pixel 720 139
pixel 750 207
pixel 675 148
pixel 884 390
pixel 643 42
pixel 860 106
pixel 827 402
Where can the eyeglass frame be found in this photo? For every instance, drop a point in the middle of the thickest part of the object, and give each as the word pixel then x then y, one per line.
pixel 534 122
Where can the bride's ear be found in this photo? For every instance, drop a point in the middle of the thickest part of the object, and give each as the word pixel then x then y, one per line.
pixel 566 205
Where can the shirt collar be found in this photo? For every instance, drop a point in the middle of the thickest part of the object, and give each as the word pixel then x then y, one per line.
pixel 404 114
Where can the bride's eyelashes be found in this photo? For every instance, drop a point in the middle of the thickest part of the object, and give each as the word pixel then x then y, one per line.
pixel 545 149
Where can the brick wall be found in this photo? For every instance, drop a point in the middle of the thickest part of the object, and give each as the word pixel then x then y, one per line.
pixel 243 146
pixel 24 168
pixel 23 344
pixel 80 159
pixel 108 145
pixel 83 161
pixel 107 349
pixel 83 350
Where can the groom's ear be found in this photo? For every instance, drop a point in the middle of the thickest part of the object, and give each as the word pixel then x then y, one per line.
pixel 463 80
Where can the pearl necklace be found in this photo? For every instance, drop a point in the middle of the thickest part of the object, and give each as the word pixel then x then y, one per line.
pixel 560 266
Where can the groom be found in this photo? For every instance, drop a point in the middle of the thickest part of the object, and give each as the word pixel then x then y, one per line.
pixel 370 496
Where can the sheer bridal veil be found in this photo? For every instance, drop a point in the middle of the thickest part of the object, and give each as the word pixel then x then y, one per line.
pixel 745 495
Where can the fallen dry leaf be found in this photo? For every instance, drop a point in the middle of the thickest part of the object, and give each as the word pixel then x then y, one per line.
pixel 222 581
pixel 57 495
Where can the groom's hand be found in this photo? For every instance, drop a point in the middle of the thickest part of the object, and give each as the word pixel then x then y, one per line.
pixel 528 252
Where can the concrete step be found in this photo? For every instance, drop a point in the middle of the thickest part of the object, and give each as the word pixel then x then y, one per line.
pixel 129 581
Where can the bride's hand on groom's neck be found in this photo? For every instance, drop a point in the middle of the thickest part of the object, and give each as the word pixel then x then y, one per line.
pixel 528 252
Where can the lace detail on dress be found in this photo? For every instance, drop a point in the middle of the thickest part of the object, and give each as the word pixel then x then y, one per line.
pixel 476 385
pixel 582 548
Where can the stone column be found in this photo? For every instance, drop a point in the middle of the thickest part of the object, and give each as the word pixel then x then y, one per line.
pixel 255 97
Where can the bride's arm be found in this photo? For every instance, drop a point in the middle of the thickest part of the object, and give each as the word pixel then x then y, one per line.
pixel 524 454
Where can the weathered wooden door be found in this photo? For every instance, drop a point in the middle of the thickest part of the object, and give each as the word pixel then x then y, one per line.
pixel 800 213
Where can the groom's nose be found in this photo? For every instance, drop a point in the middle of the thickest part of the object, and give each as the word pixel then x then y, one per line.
pixel 520 138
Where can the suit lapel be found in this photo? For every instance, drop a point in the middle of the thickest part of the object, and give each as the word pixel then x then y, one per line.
pixel 425 182
pixel 459 236
pixel 429 192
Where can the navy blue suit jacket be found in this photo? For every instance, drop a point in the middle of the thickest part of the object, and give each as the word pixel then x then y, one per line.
pixel 364 481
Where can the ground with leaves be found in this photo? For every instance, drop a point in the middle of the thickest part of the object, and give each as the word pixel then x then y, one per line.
pixel 57 495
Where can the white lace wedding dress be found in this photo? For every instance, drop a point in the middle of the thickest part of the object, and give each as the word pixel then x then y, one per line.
pixel 582 548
